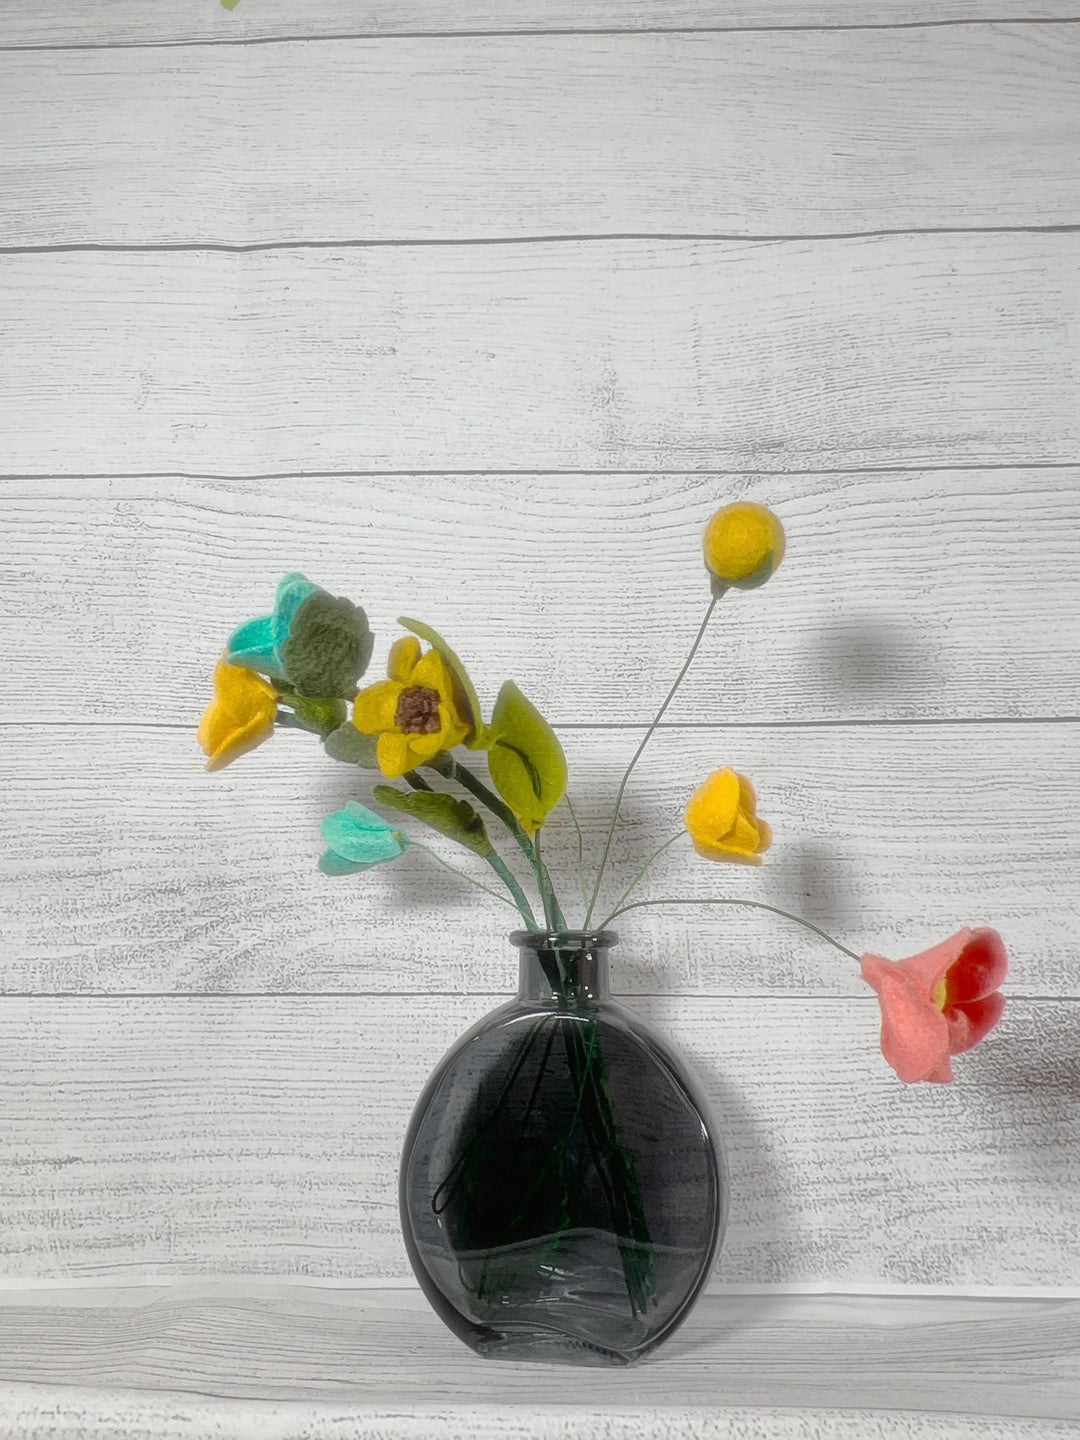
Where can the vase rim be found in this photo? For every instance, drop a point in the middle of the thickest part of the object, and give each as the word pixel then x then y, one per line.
pixel 563 939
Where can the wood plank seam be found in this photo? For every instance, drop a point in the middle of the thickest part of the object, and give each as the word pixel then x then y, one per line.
pixel 490 34
pixel 596 237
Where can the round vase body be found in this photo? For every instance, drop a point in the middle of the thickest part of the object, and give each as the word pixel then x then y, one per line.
pixel 563 1191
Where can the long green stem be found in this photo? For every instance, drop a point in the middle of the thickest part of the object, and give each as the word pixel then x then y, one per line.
pixel 638 877
pixel 753 904
pixel 637 754
pixel 510 880
pixel 553 915
pixel 452 769
pixel 494 859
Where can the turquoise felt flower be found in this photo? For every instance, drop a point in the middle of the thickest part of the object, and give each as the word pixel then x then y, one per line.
pixel 358 839
pixel 319 643
pixel 260 644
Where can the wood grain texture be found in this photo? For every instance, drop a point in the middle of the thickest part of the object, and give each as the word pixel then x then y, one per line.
pixel 154 1137
pixel 125 868
pixel 899 351
pixel 915 596
pixel 31 1412
pixel 386 1351
pixel 793 133
pixel 111 22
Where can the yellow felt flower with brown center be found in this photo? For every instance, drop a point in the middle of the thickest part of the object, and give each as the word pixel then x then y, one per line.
pixel 415 712
pixel 240 716
pixel 721 821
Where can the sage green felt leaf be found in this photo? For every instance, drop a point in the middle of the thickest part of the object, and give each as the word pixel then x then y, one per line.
pixel 525 758
pixel 347 744
pixel 329 646
pixel 468 704
pixel 321 716
pixel 454 818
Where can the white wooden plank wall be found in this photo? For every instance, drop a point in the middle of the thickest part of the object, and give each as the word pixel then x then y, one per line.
pixel 476 312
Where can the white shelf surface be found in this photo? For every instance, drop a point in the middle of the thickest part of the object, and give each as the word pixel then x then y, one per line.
pixel 302 1360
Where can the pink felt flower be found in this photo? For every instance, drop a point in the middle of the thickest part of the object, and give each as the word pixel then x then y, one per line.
pixel 938 1003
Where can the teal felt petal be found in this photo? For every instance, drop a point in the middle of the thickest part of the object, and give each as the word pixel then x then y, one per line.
pixel 333 864
pixel 358 834
pixel 293 589
pixel 252 645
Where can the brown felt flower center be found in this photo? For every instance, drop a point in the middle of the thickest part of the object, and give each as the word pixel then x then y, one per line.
pixel 418 711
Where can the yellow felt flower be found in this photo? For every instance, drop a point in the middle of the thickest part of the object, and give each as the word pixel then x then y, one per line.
pixel 721 821
pixel 743 545
pixel 240 716
pixel 415 712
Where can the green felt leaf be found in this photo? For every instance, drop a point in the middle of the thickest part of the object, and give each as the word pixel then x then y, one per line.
pixel 525 758
pixel 454 818
pixel 230 4
pixel 329 646
pixel 321 716
pixel 477 737
pixel 347 744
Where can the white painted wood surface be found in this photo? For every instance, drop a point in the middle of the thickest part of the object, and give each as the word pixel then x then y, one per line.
pixel 939 595
pixel 790 134
pixel 889 837
pixel 242 1135
pixel 896 351
pixel 31 1412
pixel 207 1053
pixel 304 1344
pixel 127 22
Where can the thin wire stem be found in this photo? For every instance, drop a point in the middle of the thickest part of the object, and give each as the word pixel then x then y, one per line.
pixel 637 878
pixel 637 754
pixel 522 903
pixel 580 853
pixel 753 904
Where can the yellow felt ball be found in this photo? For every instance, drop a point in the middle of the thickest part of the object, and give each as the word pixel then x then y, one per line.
pixel 743 544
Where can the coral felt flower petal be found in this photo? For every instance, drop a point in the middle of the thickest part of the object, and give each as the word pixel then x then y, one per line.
pixel 979 968
pixel 970 1022
pixel 240 716
pixel 914 1032
pixel 938 1003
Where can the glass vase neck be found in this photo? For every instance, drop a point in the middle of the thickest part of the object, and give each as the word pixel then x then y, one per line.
pixel 563 966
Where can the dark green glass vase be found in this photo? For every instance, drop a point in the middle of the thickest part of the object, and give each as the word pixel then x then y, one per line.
pixel 563 1191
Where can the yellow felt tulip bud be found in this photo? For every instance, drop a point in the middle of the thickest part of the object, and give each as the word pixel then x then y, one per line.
pixel 721 821
pixel 240 716
pixel 743 544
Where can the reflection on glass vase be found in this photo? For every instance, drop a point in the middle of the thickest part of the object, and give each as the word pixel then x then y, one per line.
pixel 563 1191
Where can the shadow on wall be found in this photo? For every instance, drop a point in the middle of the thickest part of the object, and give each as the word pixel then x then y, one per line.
pixel 870 659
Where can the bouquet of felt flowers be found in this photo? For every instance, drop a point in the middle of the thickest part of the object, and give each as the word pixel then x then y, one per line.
pixel 301 667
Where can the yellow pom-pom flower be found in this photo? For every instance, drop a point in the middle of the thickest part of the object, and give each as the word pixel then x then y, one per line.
pixel 743 544
pixel 721 821
pixel 240 716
